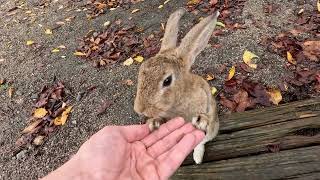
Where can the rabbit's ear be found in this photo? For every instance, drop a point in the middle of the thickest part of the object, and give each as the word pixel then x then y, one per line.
pixel 169 40
pixel 197 39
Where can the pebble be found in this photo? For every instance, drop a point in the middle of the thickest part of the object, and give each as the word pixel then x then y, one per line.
pixel 74 122
pixel 21 154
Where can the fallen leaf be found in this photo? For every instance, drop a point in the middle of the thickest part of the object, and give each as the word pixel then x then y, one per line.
pixel 290 58
pixel 138 59
pixel 227 103
pixel 10 92
pixel 55 50
pixel 301 11
pixel 247 57
pixel 232 71
pixel 105 104
pixel 218 23
pixel 61 120
pixel 29 42
pixel 165 2
pixel 135 10
pixel 48 31
pixel 38 140
pixel 40 113
pixel 209 77
pixel 275 96
pixel 128 62
pixel 78 53
pixel 311 50
pixel 128 82
pixel 161 6
pixel 213 90
pixel 32 126
pixel 318 5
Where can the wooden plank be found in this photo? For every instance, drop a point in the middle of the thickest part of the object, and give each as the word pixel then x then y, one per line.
pixel 302 163
pixel 278 128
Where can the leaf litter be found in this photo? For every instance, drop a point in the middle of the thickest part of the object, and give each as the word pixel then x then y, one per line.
pixel 51 109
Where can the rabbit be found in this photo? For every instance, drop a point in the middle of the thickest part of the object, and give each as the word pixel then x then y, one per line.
pixel 166 88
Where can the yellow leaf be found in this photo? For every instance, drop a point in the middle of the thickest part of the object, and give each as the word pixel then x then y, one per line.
pixel 247 57
pixel 40 113
pixel 61 120
pixel 48 31
pixel 138 59
pixel 10 92
pixel 290 58
pixel 209 77
pixel 78 53
pixel 218 23
pixel 135 10
pixel 232 71
pixel 55 50
pixel 275 96
pixel 161 6
pixel 30 42
pixel 128 62
pixel 213 90
pixel 318 5
pixel 166 2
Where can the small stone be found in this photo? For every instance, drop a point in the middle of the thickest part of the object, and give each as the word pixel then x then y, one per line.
pixel 34 96
pixel 21 154
pixel 74 122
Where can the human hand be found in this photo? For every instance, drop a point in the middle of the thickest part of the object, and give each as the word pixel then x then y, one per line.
pixel 132 152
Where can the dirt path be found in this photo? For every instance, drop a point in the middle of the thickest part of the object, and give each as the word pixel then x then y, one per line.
pixel 29 68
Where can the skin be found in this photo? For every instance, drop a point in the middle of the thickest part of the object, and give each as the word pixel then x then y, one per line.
pixel 132 152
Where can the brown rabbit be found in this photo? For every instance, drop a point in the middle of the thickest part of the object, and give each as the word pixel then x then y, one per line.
pixel 167 88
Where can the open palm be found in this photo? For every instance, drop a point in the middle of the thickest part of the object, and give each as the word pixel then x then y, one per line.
pixel 132 152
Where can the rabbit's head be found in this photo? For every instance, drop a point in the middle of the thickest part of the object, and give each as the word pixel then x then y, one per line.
pixel 163 79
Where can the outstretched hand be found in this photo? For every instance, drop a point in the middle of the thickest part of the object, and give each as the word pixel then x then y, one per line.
pixel 132 152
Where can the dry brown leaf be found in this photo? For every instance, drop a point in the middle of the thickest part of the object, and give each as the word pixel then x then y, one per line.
pixel 209 77
pixel 78 53
pixel 40 113
pixel 32 126
pixel 312 50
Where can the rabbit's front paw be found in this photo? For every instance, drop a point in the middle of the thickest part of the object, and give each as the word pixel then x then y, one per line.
pixel 154 123
pixel 201 122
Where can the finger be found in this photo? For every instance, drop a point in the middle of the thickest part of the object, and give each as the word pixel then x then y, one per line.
pixel 163 131
pixel 130 133
pixel 169 141
pixel 170 161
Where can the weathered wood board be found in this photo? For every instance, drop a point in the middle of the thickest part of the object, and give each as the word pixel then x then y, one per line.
pixel 253 137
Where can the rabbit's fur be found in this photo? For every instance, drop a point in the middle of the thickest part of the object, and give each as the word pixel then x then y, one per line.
pixel 167 88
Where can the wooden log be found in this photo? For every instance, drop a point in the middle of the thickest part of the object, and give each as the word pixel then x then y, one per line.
pixel 278 128
pixel 302 163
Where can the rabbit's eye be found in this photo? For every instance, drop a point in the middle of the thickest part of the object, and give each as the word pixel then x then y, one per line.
pixel 167 81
